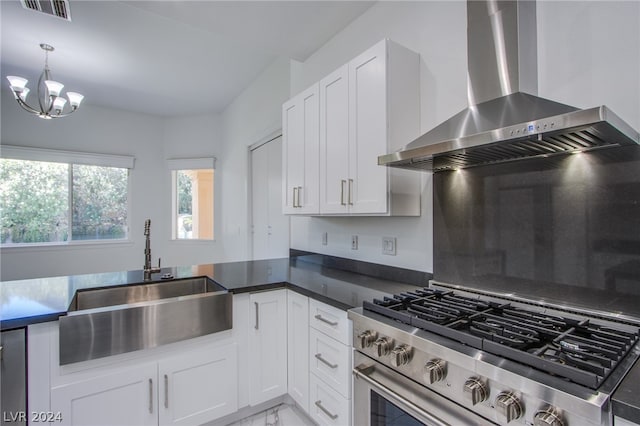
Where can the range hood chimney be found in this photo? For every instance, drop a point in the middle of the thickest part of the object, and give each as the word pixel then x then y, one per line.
pixel 505 120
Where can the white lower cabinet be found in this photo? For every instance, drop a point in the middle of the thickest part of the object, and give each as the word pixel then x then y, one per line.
pixel 298 348
pixel 190 389
pixel 330 357
pixel 330 361
pixel 198 387
pixel 267 345
pixel 328 407
pixel 125 397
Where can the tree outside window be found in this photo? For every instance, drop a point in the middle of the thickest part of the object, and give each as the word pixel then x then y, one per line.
pixel 193 214
pixel 49 202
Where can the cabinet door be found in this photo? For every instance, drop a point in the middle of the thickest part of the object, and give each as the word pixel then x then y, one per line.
pixel 328 407
pixel 334 141
pixel 267 345
pixel 298 348
pixel 300 148
pixel 198 387
pixel 368 131
pixel 269 226
pixel 330 360
pixel 128 397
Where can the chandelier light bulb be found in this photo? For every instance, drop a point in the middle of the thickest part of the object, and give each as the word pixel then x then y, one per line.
pixel 24 93
pixel 18 84
pixel 74 99
pixel 51 103
pixel 59 103
pixel 54 87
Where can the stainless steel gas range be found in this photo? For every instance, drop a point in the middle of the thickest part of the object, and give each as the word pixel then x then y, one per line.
pixel 456 356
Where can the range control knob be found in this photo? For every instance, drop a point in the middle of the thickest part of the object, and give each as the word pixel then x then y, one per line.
pixel 366 339
pixel 383 346
pixel 550 416
pixel 401 355
pixel 508 406
pixel 475 391
pixel 435 371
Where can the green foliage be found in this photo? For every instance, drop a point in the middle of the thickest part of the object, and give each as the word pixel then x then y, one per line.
pixel 35 202
pixel 99 202
pixel 184 193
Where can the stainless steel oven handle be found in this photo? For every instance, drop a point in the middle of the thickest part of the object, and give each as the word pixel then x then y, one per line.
pixel 361 374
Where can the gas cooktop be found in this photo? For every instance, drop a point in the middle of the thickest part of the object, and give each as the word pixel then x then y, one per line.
pixel 573 346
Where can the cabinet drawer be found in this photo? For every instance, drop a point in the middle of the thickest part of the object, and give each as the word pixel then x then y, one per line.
pixel 331 321
pixel 331 361
pixel 326 406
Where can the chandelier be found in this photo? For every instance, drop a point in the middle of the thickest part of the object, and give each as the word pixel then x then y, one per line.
pixel 51 103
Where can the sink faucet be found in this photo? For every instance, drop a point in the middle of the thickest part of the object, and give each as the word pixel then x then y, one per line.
pixel 148 269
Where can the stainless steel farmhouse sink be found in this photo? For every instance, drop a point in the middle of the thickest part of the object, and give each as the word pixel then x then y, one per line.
pixel 113 320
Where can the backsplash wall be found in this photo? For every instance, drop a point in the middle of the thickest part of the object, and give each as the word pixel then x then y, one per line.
pixel 569 225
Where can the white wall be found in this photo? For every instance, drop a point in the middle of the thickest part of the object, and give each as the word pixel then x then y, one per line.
pixel 151 140
pixel 252 116
pixel 589 54
pixel 437 31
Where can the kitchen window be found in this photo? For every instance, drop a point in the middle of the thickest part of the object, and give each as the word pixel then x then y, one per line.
pixel 58 197
pixel 192 183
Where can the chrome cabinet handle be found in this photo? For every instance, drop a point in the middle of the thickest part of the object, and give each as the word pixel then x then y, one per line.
pixel 342 182
pixel 299 191
pixel 326 321
pixel 324 410
pixel 150 396
pixel 324 361
pixel 350 198
pixel 257 326
pixel 166 391
pixel 295 190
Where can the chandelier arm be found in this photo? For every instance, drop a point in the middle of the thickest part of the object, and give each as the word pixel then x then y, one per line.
pixel 64 115
pixel 27 107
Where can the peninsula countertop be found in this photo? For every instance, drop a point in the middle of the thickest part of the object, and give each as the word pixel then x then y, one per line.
pixel 25 302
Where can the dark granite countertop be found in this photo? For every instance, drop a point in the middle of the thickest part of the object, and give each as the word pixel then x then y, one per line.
pixel 626 399
pixel 32 301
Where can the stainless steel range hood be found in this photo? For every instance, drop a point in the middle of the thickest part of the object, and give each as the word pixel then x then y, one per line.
pixel 504 122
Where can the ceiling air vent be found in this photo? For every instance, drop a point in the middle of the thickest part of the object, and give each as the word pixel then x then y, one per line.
pixel 59 8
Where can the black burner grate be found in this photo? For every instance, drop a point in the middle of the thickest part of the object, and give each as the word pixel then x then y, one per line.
pixel 576 349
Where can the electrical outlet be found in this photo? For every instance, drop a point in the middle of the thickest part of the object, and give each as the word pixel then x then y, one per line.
pixel 324 238
pixel 354 242
pixel 389 246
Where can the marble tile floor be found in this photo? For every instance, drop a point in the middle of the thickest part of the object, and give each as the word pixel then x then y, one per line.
pixel 281 415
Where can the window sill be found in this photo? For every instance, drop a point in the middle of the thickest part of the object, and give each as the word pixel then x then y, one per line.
pixel 72 245
pixel 191 241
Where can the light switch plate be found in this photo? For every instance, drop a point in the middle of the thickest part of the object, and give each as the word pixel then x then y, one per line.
pixel 389 246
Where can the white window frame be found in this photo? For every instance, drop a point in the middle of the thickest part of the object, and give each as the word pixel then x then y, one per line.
pixel 176 164
pixel 71 157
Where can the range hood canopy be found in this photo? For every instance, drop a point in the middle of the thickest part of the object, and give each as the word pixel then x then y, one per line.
pixel 504 122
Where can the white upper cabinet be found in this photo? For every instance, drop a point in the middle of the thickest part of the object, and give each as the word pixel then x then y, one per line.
pixel 300 137
pixel 334 137
pixel 367 108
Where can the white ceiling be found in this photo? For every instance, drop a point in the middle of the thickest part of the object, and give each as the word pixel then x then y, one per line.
pixel 166 57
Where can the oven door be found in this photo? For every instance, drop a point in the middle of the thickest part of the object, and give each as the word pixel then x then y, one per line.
pixel 384 397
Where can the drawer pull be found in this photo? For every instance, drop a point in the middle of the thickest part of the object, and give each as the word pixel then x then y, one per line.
pixel 166 391
pixel 326 321
pixel 324 410
pixel 150 396
pixel 324 361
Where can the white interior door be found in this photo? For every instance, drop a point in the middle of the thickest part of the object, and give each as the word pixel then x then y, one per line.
pixel 270 227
